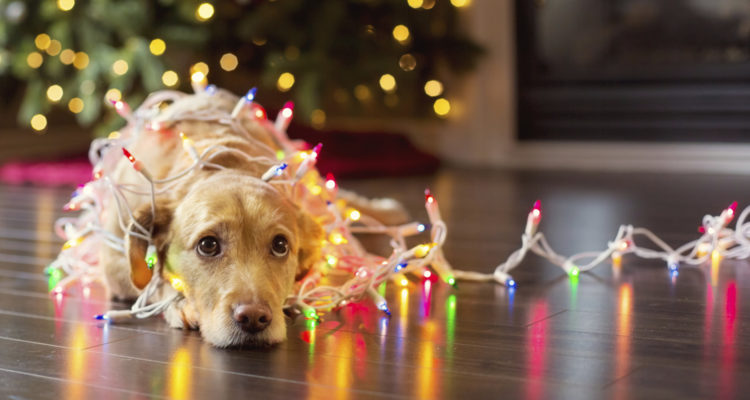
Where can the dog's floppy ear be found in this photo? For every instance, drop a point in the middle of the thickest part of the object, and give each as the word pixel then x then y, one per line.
pixel 311 237
pixel 136 247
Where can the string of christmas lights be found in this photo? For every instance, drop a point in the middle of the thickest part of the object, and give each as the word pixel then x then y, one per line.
pixel 343 257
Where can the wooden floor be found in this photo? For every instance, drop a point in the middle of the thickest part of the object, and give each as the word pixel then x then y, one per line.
pixel 628 332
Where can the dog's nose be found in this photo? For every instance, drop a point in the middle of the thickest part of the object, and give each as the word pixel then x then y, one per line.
pixel 252 318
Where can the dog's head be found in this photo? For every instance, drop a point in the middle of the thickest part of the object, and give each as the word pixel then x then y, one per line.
pixel 237 244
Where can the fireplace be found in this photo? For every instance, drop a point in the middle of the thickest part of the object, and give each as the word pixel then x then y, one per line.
pixel 634 70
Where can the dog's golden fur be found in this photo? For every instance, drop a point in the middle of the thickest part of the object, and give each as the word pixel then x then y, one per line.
pixel 233 205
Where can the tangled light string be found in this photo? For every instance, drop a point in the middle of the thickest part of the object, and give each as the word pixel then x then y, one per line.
pixel 342 253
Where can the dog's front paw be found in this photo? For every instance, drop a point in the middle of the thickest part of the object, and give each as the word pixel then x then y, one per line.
pixel 181 315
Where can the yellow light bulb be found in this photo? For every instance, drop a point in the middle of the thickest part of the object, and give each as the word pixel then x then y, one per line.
pixel 42 41
pixel 442 107
pixel 337 238
pixel 75 105
pixel 67 56
pixel 120 67
pixel 433 88
pixel 177 284
pixel 114 135
pixel 422 250
pixel 285 81
pixel 113 95
pixel 401 33
pixel 157 47
pixel 81 60
pixel 55 93
pixel 34 60
pixel 460 3
pixel 354 215
pixel 198 76
pixel 415 3
pixel 199 67
pixel 38 122
pixel 54 47
pixel 228 62
pixel 66 5
pixel 204 12
pixel 169 78
pixel 387 83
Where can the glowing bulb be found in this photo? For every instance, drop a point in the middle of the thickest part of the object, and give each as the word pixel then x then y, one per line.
pixel 34 60
pixel 198 77
pixel 451 281
pixel 422 250
pixel 330 182
pixel 387 83
pixel 337 238
pixel 310 313
pixel 510 283
pixel 151 257
pixel 66 5
pixel 427 274
pixel 81 60
pixel 127 154
pixel 55 93
pixel 441 107
pixel 285 82
pixel 354 215
pixel 67 56
pixel 715 255
pixel 433 88
pixel 400 266
pixel 574 271
pixel 280 155
pixel 38 122
pixel 228 62
pixel 401 33
pixel 157 47
pixel 415 3
pixel 460 3
pixel 75 105
pixel 177 284
pixel 54 47
pixel 41 41
pixel 72 243
pixel 404 282
pixel 332 260
pixel 204 12
pixel 113 95
pixel 169 78
pixel 673 265
pixel 316 190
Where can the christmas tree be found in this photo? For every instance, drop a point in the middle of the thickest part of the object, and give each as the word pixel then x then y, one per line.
pixel 333 57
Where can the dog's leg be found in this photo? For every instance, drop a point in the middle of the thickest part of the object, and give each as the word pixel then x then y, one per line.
pixel 386 210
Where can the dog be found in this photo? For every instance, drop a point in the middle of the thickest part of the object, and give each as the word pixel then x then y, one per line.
pixel 236 242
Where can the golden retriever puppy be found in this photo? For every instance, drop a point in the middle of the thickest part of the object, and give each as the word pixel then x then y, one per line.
pixel 235 242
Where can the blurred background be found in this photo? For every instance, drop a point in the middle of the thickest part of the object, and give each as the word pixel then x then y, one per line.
pixel 398 86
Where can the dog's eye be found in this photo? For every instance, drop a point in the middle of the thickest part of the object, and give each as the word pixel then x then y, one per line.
pixel 279 246
pixel 208 246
